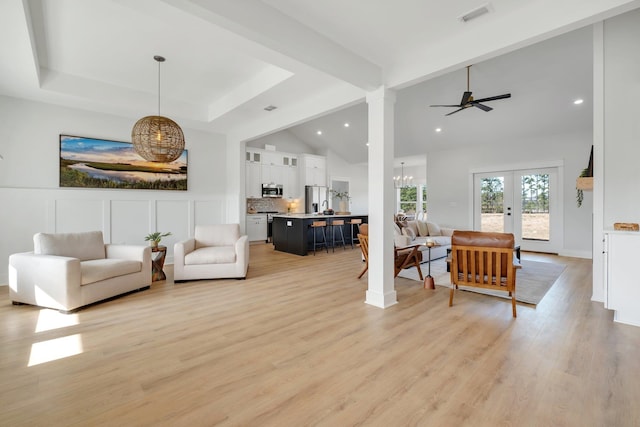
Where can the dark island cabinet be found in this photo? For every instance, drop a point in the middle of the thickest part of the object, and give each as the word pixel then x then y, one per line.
pixel 293 234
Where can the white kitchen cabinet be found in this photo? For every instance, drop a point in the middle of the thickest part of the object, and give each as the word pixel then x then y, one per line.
pixel 271 158
pixel 253 182
pixel 315 170
pixel 622 286
pixel 253 155
pixel 272 169
pixel 290 183
pixel 290 160
pixel 256 227
pixel 272 174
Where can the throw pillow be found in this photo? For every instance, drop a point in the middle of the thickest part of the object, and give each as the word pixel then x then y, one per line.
pixel 423 228
pixel 434 229
pixel 413 225
pixel 407 231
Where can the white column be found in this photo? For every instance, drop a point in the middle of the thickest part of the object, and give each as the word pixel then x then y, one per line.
pixel 381 291
pixel 598 260
pixel 235 185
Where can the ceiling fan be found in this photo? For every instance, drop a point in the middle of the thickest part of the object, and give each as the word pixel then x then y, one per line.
pixel 468 101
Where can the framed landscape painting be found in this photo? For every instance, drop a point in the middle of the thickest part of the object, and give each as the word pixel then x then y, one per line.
pixel 100 163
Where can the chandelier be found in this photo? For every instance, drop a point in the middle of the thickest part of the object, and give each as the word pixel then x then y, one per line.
pixel 402 181
pixel 157 138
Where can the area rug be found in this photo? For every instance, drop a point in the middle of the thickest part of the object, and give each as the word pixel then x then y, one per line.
pixel 533 280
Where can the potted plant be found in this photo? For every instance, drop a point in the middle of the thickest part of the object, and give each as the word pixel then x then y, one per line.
pixel 343 196
pixel 155 238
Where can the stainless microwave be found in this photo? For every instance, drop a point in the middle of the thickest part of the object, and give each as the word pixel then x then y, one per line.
pixel 271 190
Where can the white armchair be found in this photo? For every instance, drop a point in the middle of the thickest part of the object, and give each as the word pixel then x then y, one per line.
pixel 215 252
pixel 70 270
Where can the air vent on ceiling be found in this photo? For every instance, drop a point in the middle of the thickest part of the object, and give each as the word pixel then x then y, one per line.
pixel 270 108
pixel 486 8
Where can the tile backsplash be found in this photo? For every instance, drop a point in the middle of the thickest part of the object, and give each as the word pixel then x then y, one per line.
pixel 268 204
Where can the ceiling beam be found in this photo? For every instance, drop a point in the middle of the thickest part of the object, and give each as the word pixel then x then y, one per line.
pixel 270 28
pixel 257 85
pixel 19 69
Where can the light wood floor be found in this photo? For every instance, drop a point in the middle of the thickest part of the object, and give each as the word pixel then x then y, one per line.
pixel 296 345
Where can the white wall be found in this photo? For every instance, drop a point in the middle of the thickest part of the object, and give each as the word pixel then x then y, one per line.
pixel 622 119
pixel 31 200
pixel 449 192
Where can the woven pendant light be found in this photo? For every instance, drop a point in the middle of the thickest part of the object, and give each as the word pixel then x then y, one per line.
pixel 157 138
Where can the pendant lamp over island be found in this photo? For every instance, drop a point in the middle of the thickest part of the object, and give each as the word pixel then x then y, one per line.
pixel 157 138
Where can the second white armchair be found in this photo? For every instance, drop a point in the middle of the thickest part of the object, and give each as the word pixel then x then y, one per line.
pixel 215 252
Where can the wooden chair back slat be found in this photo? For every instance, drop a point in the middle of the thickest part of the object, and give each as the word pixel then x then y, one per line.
pixel 483 267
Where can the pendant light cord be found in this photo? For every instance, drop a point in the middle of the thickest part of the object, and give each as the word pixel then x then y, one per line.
pixel 159 59
pixel 159 88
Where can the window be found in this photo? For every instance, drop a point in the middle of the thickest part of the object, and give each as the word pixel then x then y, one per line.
pixel 412 197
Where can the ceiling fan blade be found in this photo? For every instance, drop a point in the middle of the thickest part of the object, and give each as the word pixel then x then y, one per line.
pixel 465 98
pixel 444 106
pixel 482 107
pixel 459 109
pixel 492 98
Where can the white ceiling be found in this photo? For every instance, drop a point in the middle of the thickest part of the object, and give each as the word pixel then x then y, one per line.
pixel 544 79
pixel 228 59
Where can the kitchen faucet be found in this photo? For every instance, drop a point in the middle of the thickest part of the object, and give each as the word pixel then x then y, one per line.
pixel 323 203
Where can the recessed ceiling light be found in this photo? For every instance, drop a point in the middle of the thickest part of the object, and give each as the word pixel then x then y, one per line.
pixel 270 108
pixel 319 132
pixel 346 125
pixel 367 144
pixel 578 101
pixel 438 130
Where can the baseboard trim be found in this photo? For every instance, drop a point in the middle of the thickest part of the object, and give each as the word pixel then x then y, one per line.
pixel 576 254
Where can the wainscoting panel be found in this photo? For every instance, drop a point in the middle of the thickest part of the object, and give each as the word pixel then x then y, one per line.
pixel 122 216
pixel 130 221
pixel 173 216
pixel 209 212
pixel 76 215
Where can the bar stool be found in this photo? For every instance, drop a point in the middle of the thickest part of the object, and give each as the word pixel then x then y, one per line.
pixel 322 225
pixel 354 222
pixel 339 225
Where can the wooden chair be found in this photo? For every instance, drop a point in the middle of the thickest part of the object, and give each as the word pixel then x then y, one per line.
pixel 363 239
pixel 483 260
pixel 408 256
pixel 405 257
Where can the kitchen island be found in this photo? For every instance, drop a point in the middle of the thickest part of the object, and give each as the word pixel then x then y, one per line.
pixel 292 232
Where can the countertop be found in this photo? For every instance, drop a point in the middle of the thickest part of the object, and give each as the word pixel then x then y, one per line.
pixel 312 216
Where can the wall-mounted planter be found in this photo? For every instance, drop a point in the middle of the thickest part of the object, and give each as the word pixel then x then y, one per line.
pixel 584 183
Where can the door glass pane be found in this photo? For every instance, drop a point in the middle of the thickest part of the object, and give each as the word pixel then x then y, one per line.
pixel 535 207
pixel 492 204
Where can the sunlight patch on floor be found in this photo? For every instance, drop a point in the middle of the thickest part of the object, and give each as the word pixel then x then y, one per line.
pixel 55 349
pixel 52 319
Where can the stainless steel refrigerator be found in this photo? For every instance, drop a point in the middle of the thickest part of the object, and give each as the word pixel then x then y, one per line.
pixel 316 199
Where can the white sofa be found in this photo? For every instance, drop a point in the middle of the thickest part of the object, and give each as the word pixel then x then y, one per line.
pixel 67 271
pixel 418 232
pixel 215 252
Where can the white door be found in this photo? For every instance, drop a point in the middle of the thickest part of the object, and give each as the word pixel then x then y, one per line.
pixel 523 202
pixel 493 202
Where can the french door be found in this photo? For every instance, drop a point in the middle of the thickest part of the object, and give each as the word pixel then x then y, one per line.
pixel 522 202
